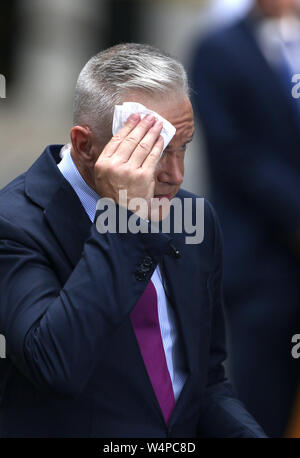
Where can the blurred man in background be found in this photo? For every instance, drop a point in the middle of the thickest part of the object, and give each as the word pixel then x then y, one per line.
pixel 243 80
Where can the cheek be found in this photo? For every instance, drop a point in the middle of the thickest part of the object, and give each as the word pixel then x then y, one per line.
pixel 181 161
pixel 159 168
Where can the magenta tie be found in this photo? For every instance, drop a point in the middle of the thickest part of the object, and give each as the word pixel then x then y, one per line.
pixel 144 318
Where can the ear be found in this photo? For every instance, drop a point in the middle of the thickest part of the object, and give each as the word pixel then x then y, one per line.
pixel 81 138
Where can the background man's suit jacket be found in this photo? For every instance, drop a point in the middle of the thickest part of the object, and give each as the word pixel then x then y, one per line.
pixel 252 131
pixel 73 364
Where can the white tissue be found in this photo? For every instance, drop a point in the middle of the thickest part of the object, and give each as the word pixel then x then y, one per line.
pixel 122 113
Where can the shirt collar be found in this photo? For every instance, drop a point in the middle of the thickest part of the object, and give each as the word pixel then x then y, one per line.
pixel 87 196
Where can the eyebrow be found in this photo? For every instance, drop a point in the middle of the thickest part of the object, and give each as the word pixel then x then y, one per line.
pixel 185 143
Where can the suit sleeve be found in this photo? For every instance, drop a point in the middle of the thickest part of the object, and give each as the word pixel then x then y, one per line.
pixel 247 161
pixel 222 414
pixel 55 333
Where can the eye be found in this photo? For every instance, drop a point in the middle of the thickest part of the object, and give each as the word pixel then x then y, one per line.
pixel 183 147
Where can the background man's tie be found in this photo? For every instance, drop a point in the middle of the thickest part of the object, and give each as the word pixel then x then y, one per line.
pixel 144 318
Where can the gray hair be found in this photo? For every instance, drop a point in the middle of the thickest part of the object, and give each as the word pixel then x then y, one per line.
pixel 110 74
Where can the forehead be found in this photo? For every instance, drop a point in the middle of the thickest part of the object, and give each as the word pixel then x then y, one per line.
pixel 176 108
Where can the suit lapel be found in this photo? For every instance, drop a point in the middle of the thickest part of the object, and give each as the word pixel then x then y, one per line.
pixel 188 294
pixel 178 285
pixel 47 187
pixel 186 287
pixel 68 221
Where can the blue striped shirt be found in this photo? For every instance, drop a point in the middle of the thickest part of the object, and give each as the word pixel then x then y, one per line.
pixel 167 320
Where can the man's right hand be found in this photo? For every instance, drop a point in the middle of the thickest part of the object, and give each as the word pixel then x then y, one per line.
pixel 129 160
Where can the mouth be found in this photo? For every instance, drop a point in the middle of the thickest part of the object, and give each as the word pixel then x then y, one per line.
pixel 161 196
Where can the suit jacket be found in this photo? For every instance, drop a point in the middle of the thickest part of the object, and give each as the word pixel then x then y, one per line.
pixel 252 131
pixel 73 366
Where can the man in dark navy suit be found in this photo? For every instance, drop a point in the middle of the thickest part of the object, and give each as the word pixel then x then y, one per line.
pixel 245 82
pixel 113 333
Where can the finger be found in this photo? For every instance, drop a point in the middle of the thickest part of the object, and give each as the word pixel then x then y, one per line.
pixel 153 157
pixel 145 145
pixel 117 139
pixel 129 144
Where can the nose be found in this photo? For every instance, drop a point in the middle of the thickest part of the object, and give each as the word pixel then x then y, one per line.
pixel 171 170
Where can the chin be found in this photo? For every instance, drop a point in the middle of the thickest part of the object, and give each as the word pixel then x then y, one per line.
pixel 160 207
